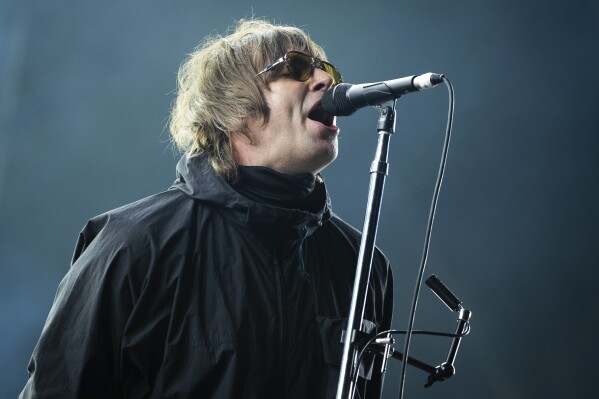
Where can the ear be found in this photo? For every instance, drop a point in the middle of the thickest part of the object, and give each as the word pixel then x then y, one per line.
pixel 241 146
pixel 241 138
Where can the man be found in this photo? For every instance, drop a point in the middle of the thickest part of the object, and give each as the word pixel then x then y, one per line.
pixel 235 283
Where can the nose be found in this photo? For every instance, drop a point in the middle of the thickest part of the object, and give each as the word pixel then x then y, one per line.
pixel 320 80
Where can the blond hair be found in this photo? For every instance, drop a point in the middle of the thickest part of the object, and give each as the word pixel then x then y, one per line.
pixel 218 88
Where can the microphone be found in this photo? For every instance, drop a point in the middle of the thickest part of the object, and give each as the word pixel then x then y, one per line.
pixel 345 99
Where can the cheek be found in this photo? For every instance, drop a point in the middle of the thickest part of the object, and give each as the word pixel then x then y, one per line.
pixel 284 100
pixel 282 110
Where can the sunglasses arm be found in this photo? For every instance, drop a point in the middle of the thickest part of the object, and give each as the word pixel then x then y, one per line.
pixel 378 173
pixel 271 66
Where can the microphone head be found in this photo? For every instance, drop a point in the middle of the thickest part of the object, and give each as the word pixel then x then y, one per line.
pixel 335 101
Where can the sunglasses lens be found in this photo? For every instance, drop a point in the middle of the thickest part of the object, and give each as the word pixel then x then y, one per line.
pixel 334 72
pixel 299 66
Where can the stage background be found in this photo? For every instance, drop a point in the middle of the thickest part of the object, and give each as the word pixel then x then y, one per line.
pixel 85 91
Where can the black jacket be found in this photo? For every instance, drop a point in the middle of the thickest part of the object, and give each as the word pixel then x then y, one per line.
pixel 198 292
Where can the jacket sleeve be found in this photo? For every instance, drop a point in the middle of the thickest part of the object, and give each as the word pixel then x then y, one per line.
pixel 77 353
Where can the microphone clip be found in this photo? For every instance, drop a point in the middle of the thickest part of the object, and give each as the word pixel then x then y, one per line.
pixel 386 122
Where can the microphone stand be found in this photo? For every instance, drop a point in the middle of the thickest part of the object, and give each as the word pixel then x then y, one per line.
pixel 378 173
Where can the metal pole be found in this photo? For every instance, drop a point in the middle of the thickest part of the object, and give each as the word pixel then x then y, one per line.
pixel 378 173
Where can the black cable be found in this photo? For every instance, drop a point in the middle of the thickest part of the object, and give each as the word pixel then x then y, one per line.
pixel 431 217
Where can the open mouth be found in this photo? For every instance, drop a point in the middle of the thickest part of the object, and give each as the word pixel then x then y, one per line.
pixel 319 115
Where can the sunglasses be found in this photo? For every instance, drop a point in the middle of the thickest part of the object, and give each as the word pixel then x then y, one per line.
pixel 301 66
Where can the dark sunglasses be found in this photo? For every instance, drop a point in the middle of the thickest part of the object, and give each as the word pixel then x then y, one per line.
pixel 301 66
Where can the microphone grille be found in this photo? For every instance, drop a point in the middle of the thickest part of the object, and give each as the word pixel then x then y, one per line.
pixel 335 101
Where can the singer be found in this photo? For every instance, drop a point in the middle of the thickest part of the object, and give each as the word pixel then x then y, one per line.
pixel 235 282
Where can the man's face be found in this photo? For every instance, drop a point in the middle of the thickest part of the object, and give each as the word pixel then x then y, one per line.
pixel 295 139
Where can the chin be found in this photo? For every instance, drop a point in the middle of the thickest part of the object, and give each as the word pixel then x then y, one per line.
pixel 326 158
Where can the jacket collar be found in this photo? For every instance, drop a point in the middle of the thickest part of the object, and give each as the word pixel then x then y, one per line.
pixel 196 178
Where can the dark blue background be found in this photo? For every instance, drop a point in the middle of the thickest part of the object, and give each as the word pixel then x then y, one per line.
pixel 85 91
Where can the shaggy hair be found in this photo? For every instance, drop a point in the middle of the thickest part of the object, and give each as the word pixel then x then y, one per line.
pixel 217 88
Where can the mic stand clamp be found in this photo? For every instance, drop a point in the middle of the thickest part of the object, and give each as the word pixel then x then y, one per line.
pixel 387 344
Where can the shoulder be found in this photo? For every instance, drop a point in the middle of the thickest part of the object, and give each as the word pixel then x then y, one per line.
pixel 337 226
pixel 130 244
pixel 139 228
pixel 144 211
pixel 340 225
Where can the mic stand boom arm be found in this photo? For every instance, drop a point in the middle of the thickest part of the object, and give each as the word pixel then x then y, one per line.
pixel 378 173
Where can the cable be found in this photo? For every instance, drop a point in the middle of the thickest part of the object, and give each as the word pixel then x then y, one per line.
pixel 431 218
